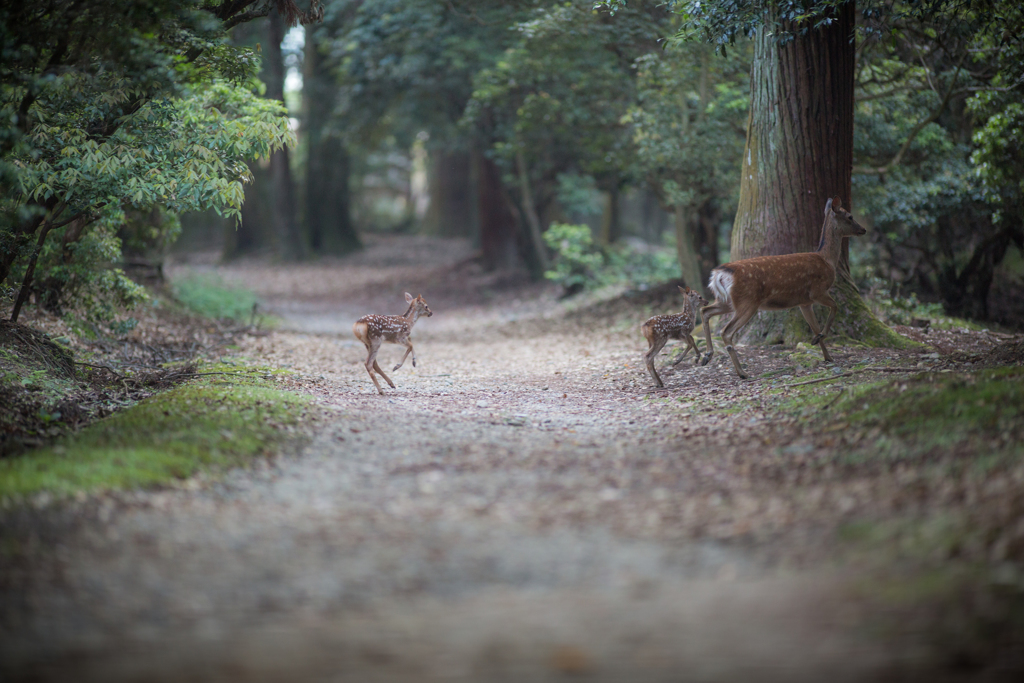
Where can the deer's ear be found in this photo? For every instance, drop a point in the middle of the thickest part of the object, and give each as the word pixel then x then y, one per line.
pixel 837 204
pixel 681 289
pixel 828 207
pixel 408 297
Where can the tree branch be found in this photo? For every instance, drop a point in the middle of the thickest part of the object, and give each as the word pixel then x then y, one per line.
pixel 882 170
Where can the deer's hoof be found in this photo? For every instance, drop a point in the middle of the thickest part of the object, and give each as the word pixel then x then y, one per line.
pixel 414 362
pixel 705 359
pixel 817 339
pixel 396 367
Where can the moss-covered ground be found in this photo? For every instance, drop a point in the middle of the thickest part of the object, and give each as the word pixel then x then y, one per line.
pixel 210 424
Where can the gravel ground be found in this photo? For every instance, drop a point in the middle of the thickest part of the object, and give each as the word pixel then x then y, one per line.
pixel 521 507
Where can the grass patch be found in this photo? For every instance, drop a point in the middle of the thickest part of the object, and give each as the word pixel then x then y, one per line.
pixel 208 426
pixel 980 415
pixel 207 295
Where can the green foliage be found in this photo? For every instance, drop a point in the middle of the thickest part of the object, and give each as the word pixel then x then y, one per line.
pixel 106 110
pixel 407 65
pixel 998 157
pixel 208 296
pixel 688 121
pixel 209 426
pixel 579 264
pixel 559 94
pixel 938 170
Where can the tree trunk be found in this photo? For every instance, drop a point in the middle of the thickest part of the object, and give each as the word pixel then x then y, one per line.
pixel 497 223
pixel 285 220
pixel 799 152
pixel 450 213
pixel 611 227
pixel 532 219
pixel 686 250
pixel 966 294
pixel 254 231
pixel 328 203
pixel 30 269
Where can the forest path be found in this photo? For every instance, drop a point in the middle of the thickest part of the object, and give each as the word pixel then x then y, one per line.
pixel 519 508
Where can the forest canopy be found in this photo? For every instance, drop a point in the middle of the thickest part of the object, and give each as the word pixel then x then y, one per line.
pixel 492 121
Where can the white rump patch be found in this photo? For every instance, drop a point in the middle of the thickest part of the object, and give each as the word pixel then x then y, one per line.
pixel 721 284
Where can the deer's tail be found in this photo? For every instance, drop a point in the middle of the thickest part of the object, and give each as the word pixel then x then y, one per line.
pixel 720 283
pixel 359 329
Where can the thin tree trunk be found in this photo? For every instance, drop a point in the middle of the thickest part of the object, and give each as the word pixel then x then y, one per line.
pixel 799 153
pixel 328 201
pixel 689 263
pixel 280 167
pixel 497 224
pixel 532 220
pixel 611 228
pixel 254 230
pixel 450 213
pixel 26 282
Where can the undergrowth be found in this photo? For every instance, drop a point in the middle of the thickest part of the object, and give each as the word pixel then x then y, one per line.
pixel 207 295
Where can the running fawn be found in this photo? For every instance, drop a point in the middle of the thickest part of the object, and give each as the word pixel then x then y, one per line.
pixel 373 330
pixel 661 328
pixel 775 283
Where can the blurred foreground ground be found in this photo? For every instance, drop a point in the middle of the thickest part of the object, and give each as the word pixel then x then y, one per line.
pixel 520 508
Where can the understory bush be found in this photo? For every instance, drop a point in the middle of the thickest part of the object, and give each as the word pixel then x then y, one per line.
pixel 579 264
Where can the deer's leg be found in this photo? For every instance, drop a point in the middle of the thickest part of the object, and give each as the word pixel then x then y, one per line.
pixel 381 373
pixel 819 336
pixel 691 344
pixel 371 353
pixel 408 350
pixel 825 300
pixel 741 318
pixel 686 350
pixel 656 347
pixel 706 313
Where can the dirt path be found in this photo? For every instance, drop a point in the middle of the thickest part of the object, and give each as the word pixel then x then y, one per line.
pixel 519 508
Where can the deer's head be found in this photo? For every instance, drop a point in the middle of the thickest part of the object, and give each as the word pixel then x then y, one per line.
pixel 843 224
pixel 418 304
pixel 693 296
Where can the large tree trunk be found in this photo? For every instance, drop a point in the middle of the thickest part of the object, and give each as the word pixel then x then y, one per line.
pixel 328 202
pixel 451 210
pixel 799 153
pixel 287 225
pixel 497 222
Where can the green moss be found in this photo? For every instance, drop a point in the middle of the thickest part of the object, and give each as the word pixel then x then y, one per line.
pixel 209 426
pixel 983 411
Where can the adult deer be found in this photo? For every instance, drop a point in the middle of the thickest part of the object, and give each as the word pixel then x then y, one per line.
pixel 373 330
pixel 775 283
pixel 659 329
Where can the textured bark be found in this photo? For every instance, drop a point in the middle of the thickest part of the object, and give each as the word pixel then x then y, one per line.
pixel 799 149
pixel 451 210
pixel 286 223
pixel 497 222
pixel 328 210
pixel 799 153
